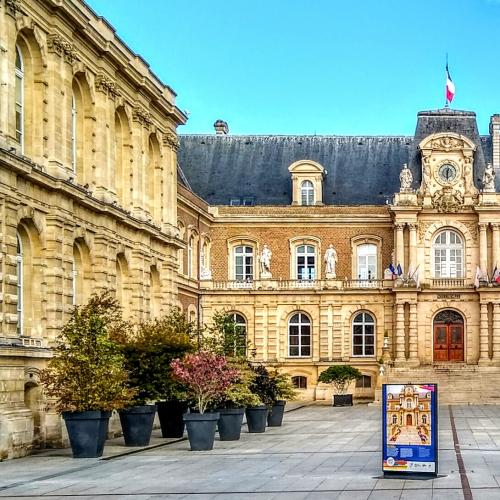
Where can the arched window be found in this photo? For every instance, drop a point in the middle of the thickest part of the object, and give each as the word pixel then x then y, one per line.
pixel 299 382
pixel 448 255
pixel 307 193
pixel 155 292
pixel 122 276
pixel 243 263
pixel 20 286
pixel 306 262
pixel 74 287
pixel 153 179
pixel 363 335
pixel 424 419
pixel 190 270
pixel 299 335
pixel 238 340
pixel 394 419
pixel 73 133
pixel 367 261
pixel 19 98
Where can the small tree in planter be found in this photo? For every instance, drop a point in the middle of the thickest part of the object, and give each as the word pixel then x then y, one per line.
pixel 86 376
pixel 340 376
pixel 264 387
pixel 207 378
pixel 149 349
pixel 283 391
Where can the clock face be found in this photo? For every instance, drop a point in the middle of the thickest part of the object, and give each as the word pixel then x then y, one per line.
pixel 447 172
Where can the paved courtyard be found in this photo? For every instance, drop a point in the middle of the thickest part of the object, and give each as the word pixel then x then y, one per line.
pixel 320 453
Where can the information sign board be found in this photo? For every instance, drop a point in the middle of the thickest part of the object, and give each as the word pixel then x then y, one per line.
pixel 409 429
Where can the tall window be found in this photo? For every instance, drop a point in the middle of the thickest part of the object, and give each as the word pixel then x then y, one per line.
pixel 363 335
pixel 306 262
pixel 239 337
pixel 20 309
pixel 299 335
pixel 73 133
pixel 243 263
pixel 74 277
pixel 19 98
pixel 367 261
pixel 448 255
pixel 190 256
pixel 307 193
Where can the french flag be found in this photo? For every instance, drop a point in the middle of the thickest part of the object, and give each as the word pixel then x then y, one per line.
pixel 450 86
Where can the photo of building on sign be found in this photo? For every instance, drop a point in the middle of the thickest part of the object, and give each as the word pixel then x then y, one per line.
pixel 409 414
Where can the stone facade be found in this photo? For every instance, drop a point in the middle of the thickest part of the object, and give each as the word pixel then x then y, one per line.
pixel 88 192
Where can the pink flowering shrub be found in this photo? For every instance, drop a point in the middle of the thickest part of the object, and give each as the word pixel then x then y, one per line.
pixel 207 376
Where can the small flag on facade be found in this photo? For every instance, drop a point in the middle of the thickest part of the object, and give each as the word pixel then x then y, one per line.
pixel 400 270
pixel 495 277
pixel 450 86
pixel 479 275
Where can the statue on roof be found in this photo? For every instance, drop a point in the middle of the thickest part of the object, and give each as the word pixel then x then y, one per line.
pixel 489 179
pixel 405 179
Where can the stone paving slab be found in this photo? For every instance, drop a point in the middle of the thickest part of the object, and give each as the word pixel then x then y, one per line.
pixel 320 452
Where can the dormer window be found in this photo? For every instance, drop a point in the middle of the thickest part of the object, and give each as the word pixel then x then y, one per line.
pixel 307 193
pixel 307 182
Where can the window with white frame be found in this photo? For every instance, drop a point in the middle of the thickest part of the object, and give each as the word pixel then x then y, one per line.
pixel 306 262
pixel 73 133
pixel 448 255
pixel 299 335
pixel 307 193
pixel 19 98
pixel 20 287
pixel 363 335
pixel 243 263
pixel 239 336
pixel 367 261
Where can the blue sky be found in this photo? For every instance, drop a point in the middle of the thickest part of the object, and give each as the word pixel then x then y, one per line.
pixel 361 67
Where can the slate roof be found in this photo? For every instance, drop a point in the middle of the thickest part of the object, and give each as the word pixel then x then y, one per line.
pixel 360 170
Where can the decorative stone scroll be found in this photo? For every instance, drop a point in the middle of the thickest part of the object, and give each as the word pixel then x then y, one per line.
pixel 13 7
pixel 171 140
pixel 106 85
pixel 61 47
pixel 141 115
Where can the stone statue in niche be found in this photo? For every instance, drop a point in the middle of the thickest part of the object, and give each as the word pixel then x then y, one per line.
pixel 331 262
pixel 265 262
pixel 489 179
pixel 405 179
pixel 426 173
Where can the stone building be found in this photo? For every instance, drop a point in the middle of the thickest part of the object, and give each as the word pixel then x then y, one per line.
pixel 383 251
pixel 88 192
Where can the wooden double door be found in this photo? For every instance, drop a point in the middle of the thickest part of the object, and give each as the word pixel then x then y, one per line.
pixel 448 337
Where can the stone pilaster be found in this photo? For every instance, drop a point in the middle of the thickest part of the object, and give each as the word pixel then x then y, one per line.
pixel 495 250
pixel 413 245
pixel 483 246
pixel 400 334
pixel 413 335
pixel 400 249
pixel 496 333
pixel 484 356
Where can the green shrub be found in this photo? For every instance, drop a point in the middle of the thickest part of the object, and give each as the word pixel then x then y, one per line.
pixel 87 370
pixel 340 376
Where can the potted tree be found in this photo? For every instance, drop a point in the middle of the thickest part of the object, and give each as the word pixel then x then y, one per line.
pixel 207 378
pixel 340 376
pixel 86 376
pixel 283 391
pixel 149 350
pixel 231 407
pixel 264 388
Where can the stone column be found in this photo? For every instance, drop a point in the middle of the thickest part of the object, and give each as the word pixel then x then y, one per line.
pixel 495 245
pixel 483 247
pixel 413 334
pixel 483 334
pixel 400 249
pixel 496 332
pixel 400 334
pixel 413 245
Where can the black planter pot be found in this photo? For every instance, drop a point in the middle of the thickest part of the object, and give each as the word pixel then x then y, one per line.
pixel 257 418
pixel 137 424
pixel 201 430
pixel 87 431
pixel 275 416
pixel 229 424
pixel 342 400
pixel 170 415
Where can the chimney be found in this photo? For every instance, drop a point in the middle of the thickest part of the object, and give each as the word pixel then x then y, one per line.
pixel 221 127
pixel 495 139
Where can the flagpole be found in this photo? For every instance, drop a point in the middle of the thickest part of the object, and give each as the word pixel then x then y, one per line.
pixel 446 105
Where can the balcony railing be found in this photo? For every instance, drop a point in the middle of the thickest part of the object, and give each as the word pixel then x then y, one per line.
pixel 450 283
pixel 276 284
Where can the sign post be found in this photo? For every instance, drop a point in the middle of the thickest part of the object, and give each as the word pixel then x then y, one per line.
pixel 410 430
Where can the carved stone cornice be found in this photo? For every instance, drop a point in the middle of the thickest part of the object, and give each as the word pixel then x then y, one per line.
pixel 171 140
pixel 447 144
pixel 106 86
pixel 61 47
pixel 13 7
pixel 141 115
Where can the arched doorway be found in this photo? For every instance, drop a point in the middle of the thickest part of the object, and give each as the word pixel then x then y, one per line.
pixel 448 336
pixel 409 419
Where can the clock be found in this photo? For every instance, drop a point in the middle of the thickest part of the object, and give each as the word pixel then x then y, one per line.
pixel 447 172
